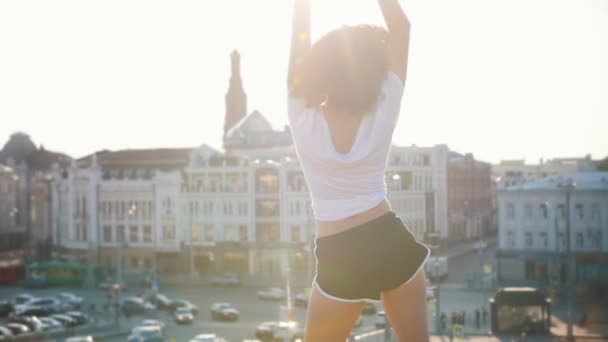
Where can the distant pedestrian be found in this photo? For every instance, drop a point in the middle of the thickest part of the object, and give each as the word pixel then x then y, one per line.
pixel 484 315
pixel 443 320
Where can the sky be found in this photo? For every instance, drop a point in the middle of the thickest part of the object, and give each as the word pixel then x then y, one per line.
pixel 502 79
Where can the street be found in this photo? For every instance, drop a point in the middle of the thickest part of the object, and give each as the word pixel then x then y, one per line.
pixel 455 296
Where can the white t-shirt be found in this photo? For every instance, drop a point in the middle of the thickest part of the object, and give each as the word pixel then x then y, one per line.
pixel 343 185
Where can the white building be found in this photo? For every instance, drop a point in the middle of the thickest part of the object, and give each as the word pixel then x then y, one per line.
pixel 246 210
pixel 533 224
pixel 512 172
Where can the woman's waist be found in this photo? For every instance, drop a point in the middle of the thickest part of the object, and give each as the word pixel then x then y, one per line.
pixel 326 228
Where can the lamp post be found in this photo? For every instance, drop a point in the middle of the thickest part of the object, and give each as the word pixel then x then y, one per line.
pixel 437 296
pixel 568 185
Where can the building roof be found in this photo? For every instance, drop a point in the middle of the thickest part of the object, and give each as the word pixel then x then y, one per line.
pixel 139 157
pixel 252 123
pixel 590 181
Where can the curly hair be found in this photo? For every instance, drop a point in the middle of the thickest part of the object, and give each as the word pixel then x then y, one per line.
pixel 345 69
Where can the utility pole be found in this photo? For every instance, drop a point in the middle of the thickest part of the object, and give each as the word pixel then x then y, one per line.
pixel 569 185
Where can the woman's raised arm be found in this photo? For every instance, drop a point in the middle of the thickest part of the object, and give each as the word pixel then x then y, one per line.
pixel 300 41
pixel 398 36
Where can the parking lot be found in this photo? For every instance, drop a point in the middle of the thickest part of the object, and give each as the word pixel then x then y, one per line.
pixel 253 311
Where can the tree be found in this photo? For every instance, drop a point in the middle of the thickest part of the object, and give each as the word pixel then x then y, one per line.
pixel 603 164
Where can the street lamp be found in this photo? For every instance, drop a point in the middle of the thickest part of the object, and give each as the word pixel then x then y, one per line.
pixel 568 185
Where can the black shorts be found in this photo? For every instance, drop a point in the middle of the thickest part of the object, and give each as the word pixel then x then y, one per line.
pixel 360 263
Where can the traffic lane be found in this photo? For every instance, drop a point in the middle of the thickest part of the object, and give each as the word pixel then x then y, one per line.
pixel 462 267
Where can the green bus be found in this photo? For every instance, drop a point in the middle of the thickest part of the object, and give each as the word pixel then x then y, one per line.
pixel 60 273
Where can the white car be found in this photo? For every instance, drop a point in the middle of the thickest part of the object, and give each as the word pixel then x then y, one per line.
pixel 226 279
pixel 273 293
pixel 72 300
pixel 380 320
pixel 207 338
pixel 153 323
pixel 224 312
pixel 50 325
pixel 50 305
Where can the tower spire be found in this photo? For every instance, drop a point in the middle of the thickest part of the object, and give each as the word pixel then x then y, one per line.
pixel 236 99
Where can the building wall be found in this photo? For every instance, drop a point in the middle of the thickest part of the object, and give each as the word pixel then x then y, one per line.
pixel 469 198
pixel 532 234
pixel 8 208
pixel 250 215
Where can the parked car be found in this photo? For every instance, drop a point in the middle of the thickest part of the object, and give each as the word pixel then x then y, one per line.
pixel 71 300
pixel 273 331
pixel 32 322
pixel 65 320
pixel 79 317
pixel 273 293
pixel 80 339
pixel 207 338
pixel 48 305
pixel 6 308
pixel 50 325
pixel 380 320
pixel 161 301
pixel 183 315
pixel 146 334
pixel 153 323
pixel 5 333
pixel 23 298
pixel 17 328
pixel 182 303
pixel 224 312
pixel 136 306
pixel 226 279
pixel 369 309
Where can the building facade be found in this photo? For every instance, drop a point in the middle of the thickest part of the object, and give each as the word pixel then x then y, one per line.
pixel 513 172
pixel 11 230
pixel 534 219
pixel 470 204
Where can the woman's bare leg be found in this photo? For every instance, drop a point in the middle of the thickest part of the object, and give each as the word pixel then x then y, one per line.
pixel 405 308
pixel 329 320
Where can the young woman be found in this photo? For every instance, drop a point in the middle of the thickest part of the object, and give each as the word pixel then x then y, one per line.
pixel 345 95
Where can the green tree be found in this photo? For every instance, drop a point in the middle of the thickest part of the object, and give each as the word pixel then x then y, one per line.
pixel 603 164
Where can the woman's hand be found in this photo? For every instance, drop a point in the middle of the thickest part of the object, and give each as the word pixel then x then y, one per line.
pixel 398 27
pixel 300 41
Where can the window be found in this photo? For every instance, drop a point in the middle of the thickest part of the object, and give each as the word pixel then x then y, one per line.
pixel 529 241
pixel 243 233
pixel 597 242
pixel 544 211
pixel 267 181
pixel 544 239
pixel 196 232
pixel 147 234
pixel 134 262
pixel 229 233
pixel 528 211
pixel 579 211
pixel 267 232
pixel 510 211
pixel 147 263
pixel 562 239
pixel 208 232
pixel 168 232
pixel 295 234
pixel 267 208
pixel 77 231
pixel 134 234
pixel 561 211
pixel 595 212
pixel 579 240
pixel 107 233
pixel 120 234
pixel 84 232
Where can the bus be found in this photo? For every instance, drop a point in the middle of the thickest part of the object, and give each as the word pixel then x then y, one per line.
pixel 61 273
pixel 11 271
